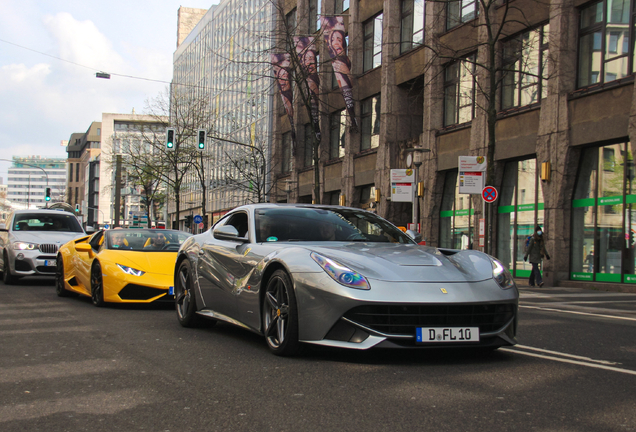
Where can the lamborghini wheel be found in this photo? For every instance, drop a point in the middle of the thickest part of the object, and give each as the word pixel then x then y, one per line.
pixel 280 315
pixel 97 285
pixel 59 279
pixel 184 298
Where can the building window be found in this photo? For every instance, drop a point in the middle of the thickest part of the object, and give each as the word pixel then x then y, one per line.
pixel 290 22
pixel 370 129
pixel 412 24
pixel 337 135
pixel 525 68
pixel 70 172
pixel 310 138
pixel 286 145
pixel 77 167
pixel 341 6
pixel 314 15
pixel 99 131
pixel 372 55
pixel 460 11
pixel 604 42
pixel 459 91
pixel 456 227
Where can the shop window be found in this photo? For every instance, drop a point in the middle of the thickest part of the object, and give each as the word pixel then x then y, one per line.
pixel 604 216
pixel 525 68
pixel 604 34
pixel 412 25
pixel 372 43
pixel 459 91
pixel 456 216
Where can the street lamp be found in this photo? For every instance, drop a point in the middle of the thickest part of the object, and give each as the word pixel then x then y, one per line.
pixel 414 157
pixel 288 189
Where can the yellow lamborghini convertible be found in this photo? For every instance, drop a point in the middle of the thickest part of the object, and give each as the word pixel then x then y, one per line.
pixel 120 266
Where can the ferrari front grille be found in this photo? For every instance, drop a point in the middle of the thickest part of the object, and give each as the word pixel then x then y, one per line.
pixel 140 292
pixel 48 248
pixel 404 319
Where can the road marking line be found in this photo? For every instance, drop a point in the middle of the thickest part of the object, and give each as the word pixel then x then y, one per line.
pixel 576 362
pixel 577 313
pixel 566 355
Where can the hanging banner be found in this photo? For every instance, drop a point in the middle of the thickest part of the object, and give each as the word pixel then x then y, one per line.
pixel 306 50
pixel 282 72
pixel 335 38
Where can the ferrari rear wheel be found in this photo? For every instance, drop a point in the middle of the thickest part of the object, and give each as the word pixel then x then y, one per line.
pixel 97 285
pixel 184 298
pixel 60 289
pixel 7 277
pixel 280 315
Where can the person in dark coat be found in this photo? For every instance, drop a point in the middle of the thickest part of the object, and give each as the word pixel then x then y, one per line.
pixel 536 251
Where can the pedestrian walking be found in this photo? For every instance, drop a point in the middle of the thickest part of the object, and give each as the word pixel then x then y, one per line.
pixel 536 251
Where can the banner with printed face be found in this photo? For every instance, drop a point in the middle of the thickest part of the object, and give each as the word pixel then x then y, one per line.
pixel 282 73
pixel 335 38
pixel 306 50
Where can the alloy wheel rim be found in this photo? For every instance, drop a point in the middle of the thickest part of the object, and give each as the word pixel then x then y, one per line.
pixel 183 296
pixel 276 314
pixel 96 282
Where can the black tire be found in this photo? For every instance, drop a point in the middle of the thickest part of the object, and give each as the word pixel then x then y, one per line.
pixel 185 300
pixel 60 289
pixel 7 277
pixel 97 285
pixel 280 315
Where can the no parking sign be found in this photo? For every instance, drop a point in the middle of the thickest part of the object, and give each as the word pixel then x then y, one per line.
pixel 489 194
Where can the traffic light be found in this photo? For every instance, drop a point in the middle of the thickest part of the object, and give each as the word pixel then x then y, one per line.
pixel 170 138
pixel 76 208
pixel 188 221
pixel 47 195
pixel 201 136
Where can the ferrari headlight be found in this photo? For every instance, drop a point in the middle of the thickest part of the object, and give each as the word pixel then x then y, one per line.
pixel 501 275
pixel 24 246
pixel 130 270
pixel 340 273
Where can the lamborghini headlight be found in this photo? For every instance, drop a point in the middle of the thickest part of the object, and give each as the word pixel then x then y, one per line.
pixel 501 275
pixel 24 246
pixel 130 270
pixel 340 273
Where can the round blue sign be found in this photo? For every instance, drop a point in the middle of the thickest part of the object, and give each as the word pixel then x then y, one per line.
pixel 198 219
pixel 106 226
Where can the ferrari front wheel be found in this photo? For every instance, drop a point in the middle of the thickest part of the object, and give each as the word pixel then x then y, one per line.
pixel 60 289
pixel 97 285
pixel 280 315
pixel 184 298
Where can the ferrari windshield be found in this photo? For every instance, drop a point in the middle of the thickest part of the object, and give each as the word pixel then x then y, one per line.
pixel 63 222
pixel 146 240
pixel 324 224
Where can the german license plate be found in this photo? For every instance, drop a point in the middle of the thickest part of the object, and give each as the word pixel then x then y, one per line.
pixel 447 334
pixel 50 263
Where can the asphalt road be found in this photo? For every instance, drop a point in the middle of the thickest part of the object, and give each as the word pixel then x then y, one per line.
pixel 68 366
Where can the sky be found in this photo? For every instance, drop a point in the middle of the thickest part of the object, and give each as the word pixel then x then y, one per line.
pixel 44 100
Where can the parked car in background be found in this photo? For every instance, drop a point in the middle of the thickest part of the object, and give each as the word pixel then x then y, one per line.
pixel 120 266
pixel 341 277
pixel 30 239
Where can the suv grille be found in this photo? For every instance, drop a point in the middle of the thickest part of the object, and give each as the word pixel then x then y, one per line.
pixel 48 248
pixel 403 319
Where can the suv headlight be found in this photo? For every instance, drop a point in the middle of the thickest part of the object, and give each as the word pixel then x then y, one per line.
pixel 501 275
pixel 24 246
pixel 130 270
pixel 340 273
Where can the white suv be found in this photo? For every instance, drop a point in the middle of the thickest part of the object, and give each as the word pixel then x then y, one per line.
pixel 30 240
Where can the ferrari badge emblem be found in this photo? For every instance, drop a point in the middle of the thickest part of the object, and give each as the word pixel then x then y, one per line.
pixel 444 290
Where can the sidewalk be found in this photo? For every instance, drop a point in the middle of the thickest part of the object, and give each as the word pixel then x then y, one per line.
pixel 594 286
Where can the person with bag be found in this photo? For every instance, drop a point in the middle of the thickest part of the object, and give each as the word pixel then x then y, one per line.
pixel 536 251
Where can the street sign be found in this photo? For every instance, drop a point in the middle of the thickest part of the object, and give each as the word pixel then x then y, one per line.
pixel 489 194
pixel 472 174
pixel 201 225
pixel 106 226
pixel 198 219
pixel 402 185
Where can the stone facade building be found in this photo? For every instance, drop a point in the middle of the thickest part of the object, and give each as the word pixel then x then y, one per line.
pixel 564 103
